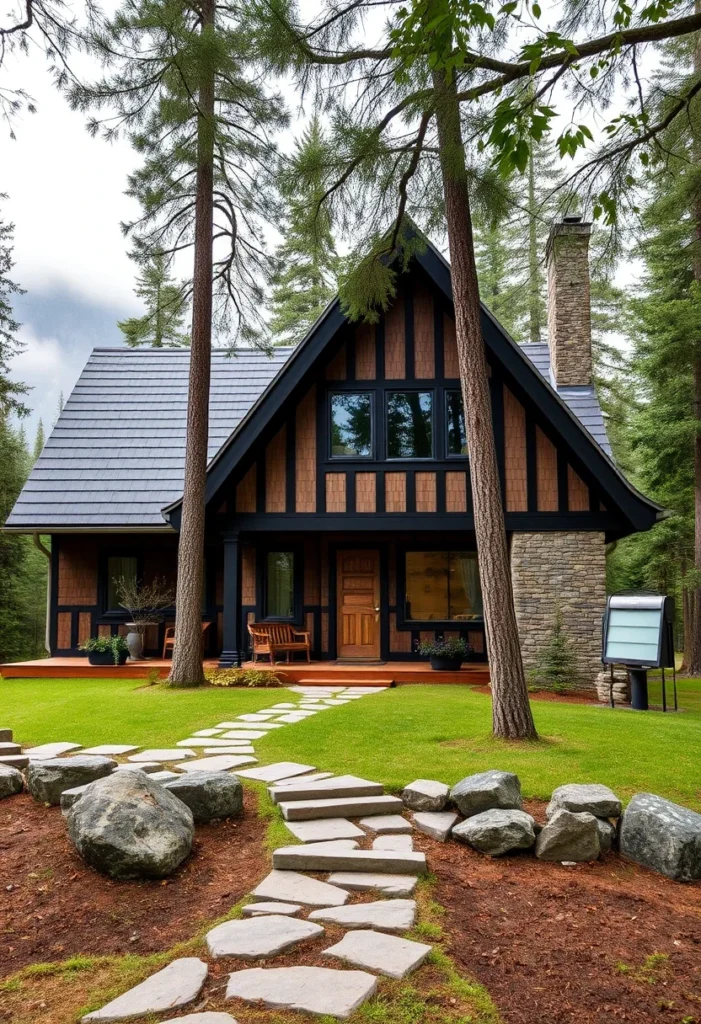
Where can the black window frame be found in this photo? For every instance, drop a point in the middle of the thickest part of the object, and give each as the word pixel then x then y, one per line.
pixel 105 612
pixel 403 621
pixel 420 390
pixel 446 433
pixel 330 395
pixel 297 550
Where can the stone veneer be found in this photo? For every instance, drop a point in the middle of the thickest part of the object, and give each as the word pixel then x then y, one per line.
pixel 568 569
pixel 569 307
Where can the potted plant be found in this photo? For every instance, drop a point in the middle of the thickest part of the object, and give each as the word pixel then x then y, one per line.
pixel 106 650
pixel 145 603
pixel 445 655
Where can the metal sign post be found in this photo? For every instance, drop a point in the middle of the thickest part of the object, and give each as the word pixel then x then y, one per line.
pixel 638 633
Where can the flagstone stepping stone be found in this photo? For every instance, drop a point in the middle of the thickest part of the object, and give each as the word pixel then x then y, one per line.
pixel 218 763
pixel 592 798
pixel 309 858
pixel 279 770
pixel 14 760
pixel 162 755
pixel 259 937
pixel 236 727
pixel 387 915
pixel 11 781
pixel 47 779
pixel 316 990
pixel 296 781
pixel 291 887
pixel 127 826
pixel 256 909
pixel 47 750
pixel 386 954
pixel 436 824
pixel 6 735
pixel 240 748
pixel 207 732
pixel 209 795
pixel 214 742
pixel 335 703
pixel 176 985
pixel 323 829
pixel 71 796
pixel 393 843
pixel 282 707
pixel 339 807
pixel 386 823
pixel 366 881
pixel 425 795
pixel 208 1017
pixel 15 748
pixel 243 734
pixel 497 831
pixel 256 716
pixel 149 767
pixel 111 749
pixel 163 776
pixel 332 786
pixel 487 790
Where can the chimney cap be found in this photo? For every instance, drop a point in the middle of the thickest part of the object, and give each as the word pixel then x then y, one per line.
pixel 572 218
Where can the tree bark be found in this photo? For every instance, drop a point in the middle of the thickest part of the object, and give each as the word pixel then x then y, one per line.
pixel 186 669
pixel 511 711
pixel 534 325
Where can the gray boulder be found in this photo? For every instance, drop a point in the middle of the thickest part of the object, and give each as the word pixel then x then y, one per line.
pixel 607 834
pixel 425 795
pixel 591 798
pixel 11 781
pixel 208 794
pixel 128 826
pixel 663 836
pixel 569 836
pixel 497 831
pixel 46 780
pixel 487 790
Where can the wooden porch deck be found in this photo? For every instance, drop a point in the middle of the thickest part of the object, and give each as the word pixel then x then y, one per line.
pixel 318 673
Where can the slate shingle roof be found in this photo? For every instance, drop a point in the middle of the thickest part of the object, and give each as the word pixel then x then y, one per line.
pixel 116 456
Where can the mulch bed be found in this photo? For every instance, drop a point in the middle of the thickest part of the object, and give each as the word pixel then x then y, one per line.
pixel 566 945
pixel 53 906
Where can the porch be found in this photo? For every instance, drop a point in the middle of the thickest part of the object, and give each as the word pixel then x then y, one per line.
pixel 318 673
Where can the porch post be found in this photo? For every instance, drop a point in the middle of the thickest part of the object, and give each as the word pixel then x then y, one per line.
pixel 232 653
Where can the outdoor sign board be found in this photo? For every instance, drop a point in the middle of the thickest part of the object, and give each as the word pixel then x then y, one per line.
pixel 638 631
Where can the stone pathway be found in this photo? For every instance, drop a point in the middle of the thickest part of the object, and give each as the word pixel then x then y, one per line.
pixel 373 852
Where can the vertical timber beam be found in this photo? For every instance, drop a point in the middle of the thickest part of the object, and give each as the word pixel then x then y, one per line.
pixel 232 647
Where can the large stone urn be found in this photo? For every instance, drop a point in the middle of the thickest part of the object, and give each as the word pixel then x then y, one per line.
pixel 135 639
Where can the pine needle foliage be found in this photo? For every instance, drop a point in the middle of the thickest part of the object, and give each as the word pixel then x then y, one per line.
pixel 555 667
pixel 156 55
pixel 11 392
pixel 161 326
pixel 306 261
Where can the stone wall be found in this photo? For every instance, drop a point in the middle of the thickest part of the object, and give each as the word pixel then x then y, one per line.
pixel 569 312
pixel 568 569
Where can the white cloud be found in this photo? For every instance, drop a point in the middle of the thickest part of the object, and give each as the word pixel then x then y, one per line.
pixel 50 370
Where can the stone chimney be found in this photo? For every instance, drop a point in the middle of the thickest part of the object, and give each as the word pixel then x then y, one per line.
pixel 569 306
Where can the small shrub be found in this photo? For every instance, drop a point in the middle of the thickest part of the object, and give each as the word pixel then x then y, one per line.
pixel 555 667
pixel 453 647
pixel 116 644
pixel 242 677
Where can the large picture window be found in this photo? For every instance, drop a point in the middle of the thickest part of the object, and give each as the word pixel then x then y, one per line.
pixel 455 424
pixel 119 567
pixel 409 425
pixel 442 586
pixel 351 425
pixel 279 585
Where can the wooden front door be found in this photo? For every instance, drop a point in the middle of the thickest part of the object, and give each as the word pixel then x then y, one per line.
pixel 358 591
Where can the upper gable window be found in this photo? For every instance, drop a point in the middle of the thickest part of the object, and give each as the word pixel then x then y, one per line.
pixel 456 435
pixel 351 425
pixel 409 425
pixel 121 573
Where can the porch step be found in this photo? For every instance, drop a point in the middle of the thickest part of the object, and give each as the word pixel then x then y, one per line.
pixel 340 807
pixel 10 748
pixel 340 786
pixel 393 862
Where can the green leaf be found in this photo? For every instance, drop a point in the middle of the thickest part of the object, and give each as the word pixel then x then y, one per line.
pixel 536 10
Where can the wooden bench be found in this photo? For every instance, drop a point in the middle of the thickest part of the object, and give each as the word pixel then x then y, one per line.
pixel 274 638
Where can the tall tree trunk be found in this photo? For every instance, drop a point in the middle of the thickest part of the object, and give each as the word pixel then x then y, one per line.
pixel 687 598
pixel 533 264
pixel 695 645
pixel 511 711
pixel 186 669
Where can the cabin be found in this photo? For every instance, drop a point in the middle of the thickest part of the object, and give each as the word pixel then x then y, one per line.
pixel 338 484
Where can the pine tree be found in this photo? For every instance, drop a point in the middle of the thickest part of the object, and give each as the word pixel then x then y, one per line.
pixel 161 326
pixel 13 460
pixel 305 277
pixel 11 392
pixel 39 440
pixel 181 83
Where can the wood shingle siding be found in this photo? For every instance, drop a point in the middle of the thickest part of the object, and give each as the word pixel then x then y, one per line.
pixel 395 492
pixel 546 456
pixel 424 344
pixel 335 492
pixel 395 347
pixel 306 454
pixel 365 356
pixel 515 454
pixel 275 473
pixel 365 492
pixel 248 574
pixel 577 492
pixel 451 369
pixel 246 491
pixel 425 492
pixel 336 369
pixel 456 491
pixel 77 571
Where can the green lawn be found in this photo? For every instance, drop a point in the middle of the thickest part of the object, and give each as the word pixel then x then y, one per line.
pixel 440 732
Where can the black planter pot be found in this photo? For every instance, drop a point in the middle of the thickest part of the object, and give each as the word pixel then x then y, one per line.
pixel 106 657
pixel 446 664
